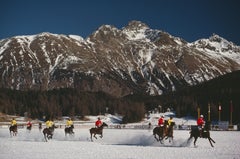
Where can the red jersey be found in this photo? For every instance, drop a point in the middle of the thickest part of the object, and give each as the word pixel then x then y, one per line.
pixel 29 124
pixel 98 123
pixel 160 121
pixel 200 121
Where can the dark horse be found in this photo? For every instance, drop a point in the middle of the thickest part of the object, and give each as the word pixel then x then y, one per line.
pixel 94 131
pixel 48 132
pixel 195 132
pixel 29 127
pixel 69 130
pixel 13 130
pixel 160 131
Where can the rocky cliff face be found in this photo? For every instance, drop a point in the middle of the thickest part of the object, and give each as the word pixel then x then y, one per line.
pixel 134 59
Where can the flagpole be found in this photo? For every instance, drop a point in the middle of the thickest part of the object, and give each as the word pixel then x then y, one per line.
pixel 219 112
pixel 209 119
pixel 198 111
pixel 231 111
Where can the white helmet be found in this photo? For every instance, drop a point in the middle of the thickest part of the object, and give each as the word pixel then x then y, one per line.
pixel 162 116
pixel 201 116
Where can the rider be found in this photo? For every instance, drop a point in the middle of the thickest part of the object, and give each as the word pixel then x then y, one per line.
pixel 200 123
pixel 98 123
pixel 14 122
pixel 69 123
pixel 29 124
pixel 161 121
pixel 170 121
pixel 49 124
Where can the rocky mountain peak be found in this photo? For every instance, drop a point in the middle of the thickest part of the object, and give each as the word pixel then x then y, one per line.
pixel 136 25
pixel 135 30
pixel 215 43
pixel 216 38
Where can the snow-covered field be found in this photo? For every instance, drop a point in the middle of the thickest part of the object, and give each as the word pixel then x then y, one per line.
pixel 116 144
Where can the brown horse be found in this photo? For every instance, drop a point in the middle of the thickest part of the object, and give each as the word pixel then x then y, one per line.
pixel 48 132
pixel 69 130
pixel 160 131
pixel 94 131
pixel 195 132
pixel 13 130
pixel 169 132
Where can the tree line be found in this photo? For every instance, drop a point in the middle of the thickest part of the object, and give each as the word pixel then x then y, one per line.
pixel 67 102
pixel 73 102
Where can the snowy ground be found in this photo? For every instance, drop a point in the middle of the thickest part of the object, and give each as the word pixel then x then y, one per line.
pixel 116 144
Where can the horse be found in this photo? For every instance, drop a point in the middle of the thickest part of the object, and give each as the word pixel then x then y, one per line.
pixel 69 130
pixel 160 131
pixel 13 130
pixel 99 130
pixel 195 132
pixel 169 132
pixel 29 127
pixel 48 132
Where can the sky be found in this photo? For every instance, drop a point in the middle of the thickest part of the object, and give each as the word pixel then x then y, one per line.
pixel 187 19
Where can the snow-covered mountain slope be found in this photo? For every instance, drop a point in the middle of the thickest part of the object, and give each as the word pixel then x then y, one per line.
pixel 134 59
pixel 218 47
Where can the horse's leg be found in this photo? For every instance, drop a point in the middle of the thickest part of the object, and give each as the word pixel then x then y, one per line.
pixel 156 137
pixel 188 141
pixel 195 140
pixel 171 136
pixel 91 136
pixel 166 137
pixel 50 135
pixel 45 137
pixel 161 140
pixel 95 136
pixel 13 133
pixel 211 140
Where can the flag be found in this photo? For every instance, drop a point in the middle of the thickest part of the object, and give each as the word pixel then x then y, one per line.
pixel 219 108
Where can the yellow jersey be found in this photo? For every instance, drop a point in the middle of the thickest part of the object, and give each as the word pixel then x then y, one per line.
pixel 13 122
pixel 69 123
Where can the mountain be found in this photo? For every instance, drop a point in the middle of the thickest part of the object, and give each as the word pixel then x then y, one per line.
pixel 134 59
